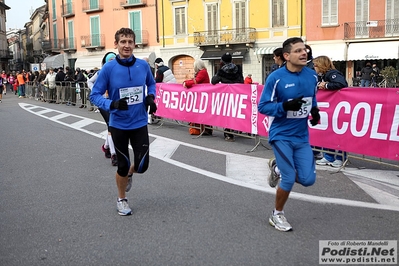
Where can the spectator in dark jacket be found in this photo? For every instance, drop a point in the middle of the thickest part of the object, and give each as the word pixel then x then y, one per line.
pixel 279 60
pixel 228 73
pixel 366 75
pixel 81 84
pixel 374 75
pixel 309 62
pixel 329 79
pixel 70 87
pixel 59 84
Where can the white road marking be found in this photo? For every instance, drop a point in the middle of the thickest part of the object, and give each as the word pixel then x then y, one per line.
pixel 163 148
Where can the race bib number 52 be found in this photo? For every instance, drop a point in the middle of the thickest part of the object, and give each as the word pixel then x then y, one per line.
pixel 134 95
pixel 304 111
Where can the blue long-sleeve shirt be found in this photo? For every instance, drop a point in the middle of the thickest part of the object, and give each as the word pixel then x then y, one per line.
pixel 135 82
pixel 281 86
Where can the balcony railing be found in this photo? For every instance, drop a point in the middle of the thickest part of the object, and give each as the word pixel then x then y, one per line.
pixel 57 44
pixel 5 54
pixel 92 5
pixel 133 3
pixel 70 45
pixel 46 45
pixel 219 37
pixel 141 37
pixel 53 45
pixel 371 29
pixel 68 10
pixel 93 41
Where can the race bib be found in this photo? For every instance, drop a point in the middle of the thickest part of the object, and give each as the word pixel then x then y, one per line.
pixel 134 95
pixel 304 111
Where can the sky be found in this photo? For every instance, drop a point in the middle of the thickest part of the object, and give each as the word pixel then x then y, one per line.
pixel 20 12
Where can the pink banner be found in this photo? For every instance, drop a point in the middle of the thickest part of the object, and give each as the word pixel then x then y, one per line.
pixel 231 106
pixel 357 120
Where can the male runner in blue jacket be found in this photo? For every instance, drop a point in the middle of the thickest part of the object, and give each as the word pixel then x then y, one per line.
pixel 289 97
pixel 127 79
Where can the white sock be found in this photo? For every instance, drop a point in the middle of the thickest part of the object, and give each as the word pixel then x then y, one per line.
pixel 111 144
pixel 106 145
pixel 275 212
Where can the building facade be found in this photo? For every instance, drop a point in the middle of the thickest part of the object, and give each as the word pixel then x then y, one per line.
pixel 5 54
pixel 83 31
pixel 354 32
pixel 250 30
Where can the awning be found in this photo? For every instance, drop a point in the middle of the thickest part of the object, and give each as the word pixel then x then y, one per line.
pixel 373 50
pixel 266 50
pixel 54 61
pixel 335 51
pixel 209 55
pixel 91 61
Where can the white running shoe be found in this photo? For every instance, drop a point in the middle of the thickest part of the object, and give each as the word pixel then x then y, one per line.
pixel 323 161
pixel 123 207
pixel 279 222
pixel 336 164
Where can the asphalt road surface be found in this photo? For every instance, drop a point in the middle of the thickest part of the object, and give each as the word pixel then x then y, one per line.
pixel 203 201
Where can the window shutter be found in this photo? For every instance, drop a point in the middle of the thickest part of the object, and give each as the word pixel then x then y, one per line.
pixel 325 15
pixel 395 9
pixel 53 7
pixel 135 25
pixel 69 6
pixel 55 36
pixel 93 4
pixel 95 31
pixel 211 17
pixel 71 38
pixel 359 10
pixel 180 20
pixel 334 12
pixel 240 14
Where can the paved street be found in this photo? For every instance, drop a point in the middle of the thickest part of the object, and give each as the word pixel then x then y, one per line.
pixel 203 201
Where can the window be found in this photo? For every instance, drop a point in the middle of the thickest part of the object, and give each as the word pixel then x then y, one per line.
pixel 392 25
pixel 212 21
pixel 95 31
pixel 212 17
pixel 278 11
pixel 71 38
pixel 55 36
pixel 180 20
pixel 93 4
pixel 240 15
pixel 69 7
pixel 54 9
pixel 329 12
pixel 362 16
pixel 135 25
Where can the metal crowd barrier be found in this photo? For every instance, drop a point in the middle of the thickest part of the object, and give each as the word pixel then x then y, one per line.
pixel 69 93
pixel 77 94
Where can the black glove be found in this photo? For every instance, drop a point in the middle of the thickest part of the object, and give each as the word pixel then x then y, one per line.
pixel 294 104
pixel 315 116
pixel 120 104
pixel 149 101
